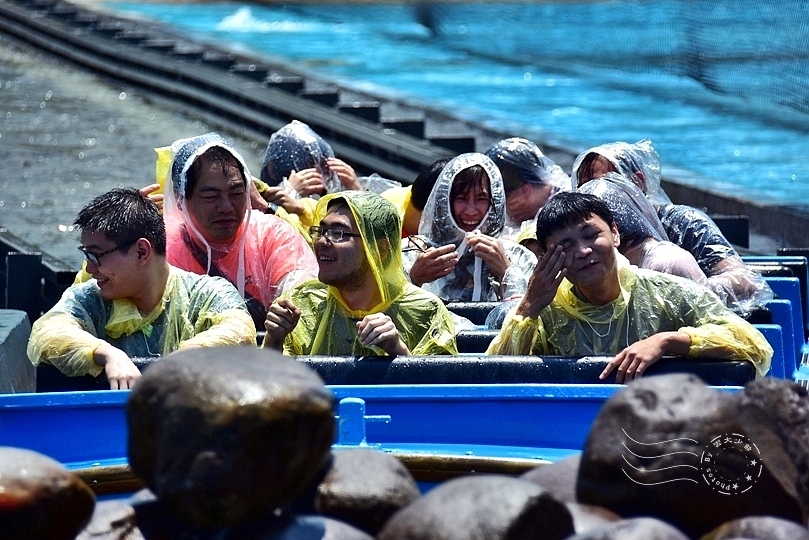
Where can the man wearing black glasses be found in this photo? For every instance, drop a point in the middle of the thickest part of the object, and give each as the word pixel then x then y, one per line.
pixel 136 305
pixel 362 303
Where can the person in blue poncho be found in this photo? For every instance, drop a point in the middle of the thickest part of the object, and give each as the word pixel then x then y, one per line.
pixel 136 305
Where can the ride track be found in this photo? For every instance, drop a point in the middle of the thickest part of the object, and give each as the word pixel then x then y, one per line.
pixel 256 97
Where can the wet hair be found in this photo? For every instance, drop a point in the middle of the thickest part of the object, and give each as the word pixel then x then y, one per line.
pixel 124 216
pixel 567 209
pixel 469 179
pixel 585 169
pixel 424 183
pixel 217 155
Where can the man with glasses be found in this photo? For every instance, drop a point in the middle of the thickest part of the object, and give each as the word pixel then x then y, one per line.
pixel 362 303
pixel 136 305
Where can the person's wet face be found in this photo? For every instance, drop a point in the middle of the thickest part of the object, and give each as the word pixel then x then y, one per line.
pixel 219 201
pixel 117 274
pixel 471 202
pixel 523 204
pixel 594 166
pixel 589 248
pixel 342 264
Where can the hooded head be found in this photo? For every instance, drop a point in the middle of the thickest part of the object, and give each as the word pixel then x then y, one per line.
pixel 634 215
pixel 638 162
pixel 379 227
pixel 296 147
pixel 207 199
pixel 441 223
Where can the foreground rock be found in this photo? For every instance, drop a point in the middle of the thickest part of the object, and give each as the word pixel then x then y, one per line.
pixel 224 436
pixel 558 477
pixel 365 488
pixel 695 457
pixel 40 498
pixel 633 529
pixel 759 528
pixel 485 507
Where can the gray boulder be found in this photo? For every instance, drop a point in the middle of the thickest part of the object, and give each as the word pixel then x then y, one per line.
pixel 484 507
pixel 40 497
pixel 223 436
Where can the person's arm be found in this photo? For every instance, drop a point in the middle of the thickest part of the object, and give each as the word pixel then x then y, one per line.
pixel 121 372
pixel 377 329
pixel 633 360
pixel 282 317
pixel 60 339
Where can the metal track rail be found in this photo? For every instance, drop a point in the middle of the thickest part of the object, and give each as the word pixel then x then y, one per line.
pixel 256 97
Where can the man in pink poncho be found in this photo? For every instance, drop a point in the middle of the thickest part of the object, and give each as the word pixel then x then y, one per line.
pixel 212 230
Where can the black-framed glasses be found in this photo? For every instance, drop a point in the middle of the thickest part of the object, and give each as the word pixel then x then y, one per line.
pixel 416 243
pixel 334 236
pixel 95 258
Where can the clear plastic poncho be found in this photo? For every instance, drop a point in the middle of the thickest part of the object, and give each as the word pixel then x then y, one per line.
pixel 524 158
pixel 196 311
pixel 296 147
pixel 629 160
pixel 643 239
pixel 267 256
pixel 531 164
pixel 649 302
pixel 471 280
pixel 328 326
pixel 739 287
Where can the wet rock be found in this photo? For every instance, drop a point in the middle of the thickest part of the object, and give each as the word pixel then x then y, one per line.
pixel 318 528
pixel 558 477
pixel 695 457
pixel 365 487
pixel 633 529
pixel 223 436
pixel 485 507
pixel 40 498
pixel 112 520
pixel 587 518
pixel 759 528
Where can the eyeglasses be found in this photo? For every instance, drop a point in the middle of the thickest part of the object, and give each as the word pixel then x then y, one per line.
pixel 95 258
pixel 416 243
pixel 334 236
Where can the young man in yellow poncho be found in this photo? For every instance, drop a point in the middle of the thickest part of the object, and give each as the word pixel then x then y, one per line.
pixel 361 304
pixel 136 304
pixel 585 298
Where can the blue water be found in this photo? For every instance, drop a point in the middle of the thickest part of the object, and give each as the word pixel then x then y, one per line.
pixel 719 89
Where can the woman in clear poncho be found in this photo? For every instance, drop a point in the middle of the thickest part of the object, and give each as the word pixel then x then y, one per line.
pixel 264 258
pixel 740 288
pixel 643 240
pixel 507 266
pixel 328 325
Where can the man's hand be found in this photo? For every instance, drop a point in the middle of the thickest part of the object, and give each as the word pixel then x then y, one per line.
pixel 307 182
pixel 433 264
pixel 544 281
pixel 118 367
pixel 491 252
pixel 345 173
pixel 378 329
pixel 282 317
pixel 149 191
pixel 633 361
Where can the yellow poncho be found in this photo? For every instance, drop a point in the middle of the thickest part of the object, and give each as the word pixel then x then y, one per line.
pixel 650 302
